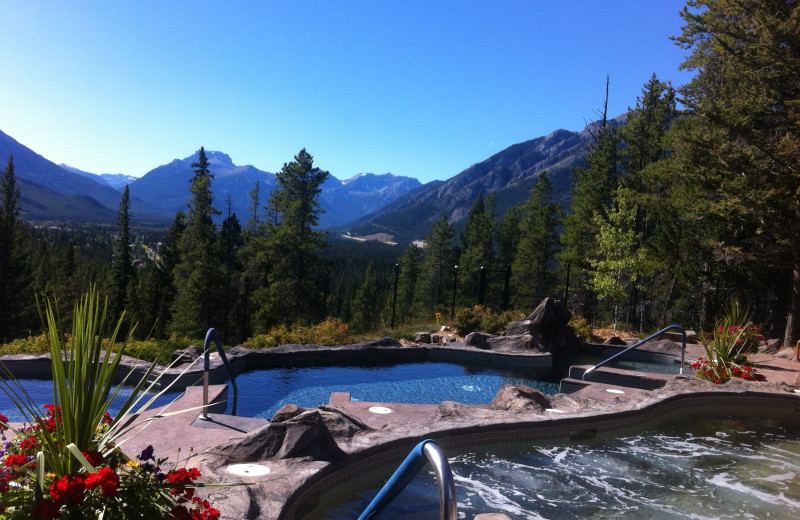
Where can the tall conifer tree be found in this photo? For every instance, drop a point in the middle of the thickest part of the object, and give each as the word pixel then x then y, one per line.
pixel 15 294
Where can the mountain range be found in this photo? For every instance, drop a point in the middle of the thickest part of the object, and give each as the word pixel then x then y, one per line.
pixel 364 205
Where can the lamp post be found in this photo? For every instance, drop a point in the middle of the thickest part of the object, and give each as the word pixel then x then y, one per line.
pixel 455 290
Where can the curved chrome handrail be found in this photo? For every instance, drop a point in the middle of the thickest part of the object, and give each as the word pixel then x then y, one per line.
pixel 645 340
pixel 429 451
pixel 212 335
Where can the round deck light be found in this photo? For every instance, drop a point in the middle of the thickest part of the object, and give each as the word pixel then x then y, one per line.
pixel 614 391
pixel 248 470
pixel 380 409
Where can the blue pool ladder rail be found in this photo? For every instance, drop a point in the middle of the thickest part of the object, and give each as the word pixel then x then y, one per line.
pixel 212 335
pixel 425 451
pixel 641 342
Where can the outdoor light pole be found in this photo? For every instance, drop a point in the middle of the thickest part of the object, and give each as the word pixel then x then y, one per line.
pixel 455 289
pixel 394 296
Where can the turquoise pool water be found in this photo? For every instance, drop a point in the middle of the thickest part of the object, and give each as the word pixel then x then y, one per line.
pixel 701 468
pixel 263 392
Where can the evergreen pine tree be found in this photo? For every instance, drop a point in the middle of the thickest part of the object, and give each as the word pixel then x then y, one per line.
pixel 198 277
pixel 436 276
pixel 533 269
pixel 122 269
pixel 740 148
pixel 477 247
pixel 16 296
pixel 409 266
pixel 298 277
pixel 366 307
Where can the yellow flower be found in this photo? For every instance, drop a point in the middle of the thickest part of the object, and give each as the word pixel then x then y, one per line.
pixel 51 475
pixel 132 464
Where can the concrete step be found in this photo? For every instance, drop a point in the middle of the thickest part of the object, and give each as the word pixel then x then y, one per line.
pixel 620 377
pixel 594 390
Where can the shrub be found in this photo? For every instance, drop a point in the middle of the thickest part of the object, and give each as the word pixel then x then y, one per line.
pixel 331 332
pixel 497 323
pixel 468 319
pixel 582 328
pixel 726 351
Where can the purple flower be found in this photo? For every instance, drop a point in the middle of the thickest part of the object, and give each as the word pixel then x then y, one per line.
pixel 147 453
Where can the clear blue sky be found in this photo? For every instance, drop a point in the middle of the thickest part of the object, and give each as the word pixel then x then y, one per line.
pixel 416 88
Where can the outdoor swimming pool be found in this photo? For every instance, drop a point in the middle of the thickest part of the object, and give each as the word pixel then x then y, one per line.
pixel 41 392
pixel 700 468
pixel 263 392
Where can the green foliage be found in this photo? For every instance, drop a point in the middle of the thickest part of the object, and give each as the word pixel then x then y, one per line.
pixel 477 246
pixel 726 352
pixel 436 275
pixel 739 148
pixel 298 277
pixel 533 270
pixel 480 318
pixel 366 303
pixel 582 328
pixel 330 332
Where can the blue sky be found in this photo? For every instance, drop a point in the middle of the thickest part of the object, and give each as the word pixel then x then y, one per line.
pixel 423 89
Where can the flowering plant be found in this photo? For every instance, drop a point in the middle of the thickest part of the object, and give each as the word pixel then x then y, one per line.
pixel 107 484
pixel 66 463
pixel 726 352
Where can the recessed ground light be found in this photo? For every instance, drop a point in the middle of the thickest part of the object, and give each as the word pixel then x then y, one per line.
pixel 380 409
pixel 248 470
pixel 554 410
pixel 614 391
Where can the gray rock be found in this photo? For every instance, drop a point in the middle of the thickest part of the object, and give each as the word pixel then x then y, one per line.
pixel 287 412
pixel 548 324
pixel 422 337
pixel 305 435
pixel 437 339
pixel 614 340
pixel 186 355
pixel 449 410
pixel 785 353
pixel 772 346
pixel 519 398
pixel 478 340
pixel 519 343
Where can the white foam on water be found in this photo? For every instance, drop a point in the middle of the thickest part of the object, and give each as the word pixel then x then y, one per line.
pixel 724 480
pixel 496 500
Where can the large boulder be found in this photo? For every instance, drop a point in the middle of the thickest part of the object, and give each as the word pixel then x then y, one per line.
pixel 478 340
pixel 186 355
pixel 311 434
pixel 519 398
pixel 548 324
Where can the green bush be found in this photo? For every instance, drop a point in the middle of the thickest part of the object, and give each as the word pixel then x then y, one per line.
pixel 497 323
pixel 582 328
pixel 331 332
pixel 468 319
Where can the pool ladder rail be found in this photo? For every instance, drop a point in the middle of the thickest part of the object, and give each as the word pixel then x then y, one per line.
pixel 641 342
pixel 212 335
pixel 425 451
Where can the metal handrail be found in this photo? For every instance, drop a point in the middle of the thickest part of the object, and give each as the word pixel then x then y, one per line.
pixel 414 462
pixel 212 335
pixel 645 340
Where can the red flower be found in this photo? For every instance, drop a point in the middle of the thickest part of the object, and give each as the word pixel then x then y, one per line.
pixel 68 486
pixel 107 419
pixel 16 460
pixel 183 476
pixel 107 479
pixel 3 423
pixel 718 381
pixel 46 509
pixel 29 444
pixel 95 458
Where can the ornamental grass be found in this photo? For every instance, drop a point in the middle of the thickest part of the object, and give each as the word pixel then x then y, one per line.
pixel 66 462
